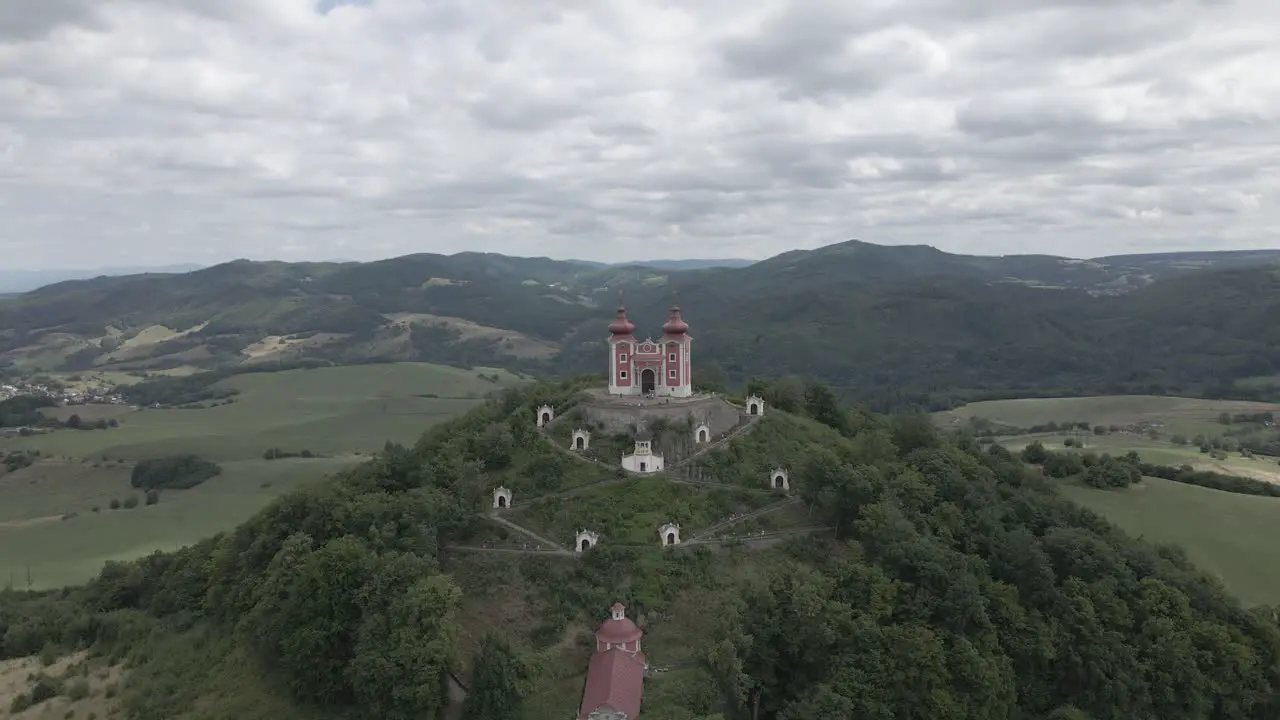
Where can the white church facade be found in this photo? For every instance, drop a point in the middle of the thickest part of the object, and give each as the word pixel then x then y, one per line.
pixel 650 368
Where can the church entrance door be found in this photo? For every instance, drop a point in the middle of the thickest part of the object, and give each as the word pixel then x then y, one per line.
pixel 648 381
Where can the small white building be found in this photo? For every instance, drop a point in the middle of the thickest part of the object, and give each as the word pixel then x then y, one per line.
pixel 755 405
pixel 546 414
pixel 669 534
pixel 780 479
pixel 585 540
pixel 501 498
pixel 702 434
pixel 643 459
pixel 580 441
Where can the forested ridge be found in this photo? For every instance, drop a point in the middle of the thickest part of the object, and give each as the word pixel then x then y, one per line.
pixel 959 584
pixel 890 327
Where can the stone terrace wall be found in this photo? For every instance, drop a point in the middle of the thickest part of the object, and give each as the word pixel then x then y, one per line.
pixel 618 415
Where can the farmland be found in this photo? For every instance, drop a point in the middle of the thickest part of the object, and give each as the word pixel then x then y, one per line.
pixel 56 523
pixel 1230 536
pixel 1188 416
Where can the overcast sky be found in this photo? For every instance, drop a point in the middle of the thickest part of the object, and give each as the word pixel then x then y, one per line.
pixel 146 132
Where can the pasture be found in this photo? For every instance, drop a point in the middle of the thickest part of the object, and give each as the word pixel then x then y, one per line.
pixel 1159 452
pixel 325 410
pixel 1231 536
pixel 1174 415
pixel 55 516
pixel 34 534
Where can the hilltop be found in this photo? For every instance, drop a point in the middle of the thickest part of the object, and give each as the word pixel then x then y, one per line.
pixel 892 326
pixel 952 582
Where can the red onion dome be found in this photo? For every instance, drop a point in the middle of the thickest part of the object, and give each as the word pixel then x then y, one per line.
pixel 621 325
pixel 675 324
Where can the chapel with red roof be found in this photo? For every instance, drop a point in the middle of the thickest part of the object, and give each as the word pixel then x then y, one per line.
pixel 615 676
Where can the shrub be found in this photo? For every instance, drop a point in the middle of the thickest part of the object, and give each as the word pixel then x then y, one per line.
pixel 178 472
pixel 153 497
pixel 115 504
pixel 131 502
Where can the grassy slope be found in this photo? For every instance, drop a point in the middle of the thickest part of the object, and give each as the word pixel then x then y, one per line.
pixel 326 410
pixel 62 552
pixel 1188 416
pixel 1232 536
pixel 334 411
pixel 630 512
pixel 1160 452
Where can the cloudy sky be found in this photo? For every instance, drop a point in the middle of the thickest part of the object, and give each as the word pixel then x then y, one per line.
pixel 161 131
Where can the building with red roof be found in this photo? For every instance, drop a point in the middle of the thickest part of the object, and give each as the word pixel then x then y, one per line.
pixel 661 368
pixel 615 676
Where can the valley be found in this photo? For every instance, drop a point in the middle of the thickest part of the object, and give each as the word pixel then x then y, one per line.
pixel 1231 535
pixel 465 526
pixel 56 523
pixel 890 327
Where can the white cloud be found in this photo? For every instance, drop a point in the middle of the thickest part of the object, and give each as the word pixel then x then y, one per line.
pixel 158 131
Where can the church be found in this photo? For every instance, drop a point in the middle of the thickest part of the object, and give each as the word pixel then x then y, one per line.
pixel 650 368
pixel 615 675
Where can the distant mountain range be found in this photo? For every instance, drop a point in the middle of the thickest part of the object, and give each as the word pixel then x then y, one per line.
pixel 891 325
pixel 20 281
pixel 14 282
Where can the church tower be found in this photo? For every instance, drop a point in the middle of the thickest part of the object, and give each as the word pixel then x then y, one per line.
pixel 651 367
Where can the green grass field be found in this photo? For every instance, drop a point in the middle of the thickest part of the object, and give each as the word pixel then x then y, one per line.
pixel 1160 452
pixel 1188 416
pixel 1234 537
pixel 61 552
pixel 336 412
pixel 326 410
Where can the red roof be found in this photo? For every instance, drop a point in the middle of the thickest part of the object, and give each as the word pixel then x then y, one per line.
pixel 618 631
pixel 621 325
pixel 675 324
pixel 615 680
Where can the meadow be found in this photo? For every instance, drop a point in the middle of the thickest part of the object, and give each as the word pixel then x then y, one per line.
pixel 1233 537
pixel 56 525
pixel 1176 415
pixel 1159 452
pixel 326 410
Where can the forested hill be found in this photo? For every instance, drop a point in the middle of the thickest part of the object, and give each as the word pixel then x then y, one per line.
pixel 892 326
pixel 957 583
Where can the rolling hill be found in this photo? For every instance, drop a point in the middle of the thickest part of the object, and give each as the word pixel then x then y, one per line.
pixel 890 326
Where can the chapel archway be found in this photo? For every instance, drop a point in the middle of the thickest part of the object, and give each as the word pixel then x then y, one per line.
pixel 582 443
pixel 586 545
pixel 648 381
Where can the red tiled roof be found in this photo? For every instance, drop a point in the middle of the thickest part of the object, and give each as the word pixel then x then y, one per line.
pixel 618 631
pixel 615 679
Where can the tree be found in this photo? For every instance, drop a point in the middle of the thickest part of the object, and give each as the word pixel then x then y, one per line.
pixel 500 680
pixel 1179 439
pixel 1034 453
pixel 74 422
pixel 821 405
